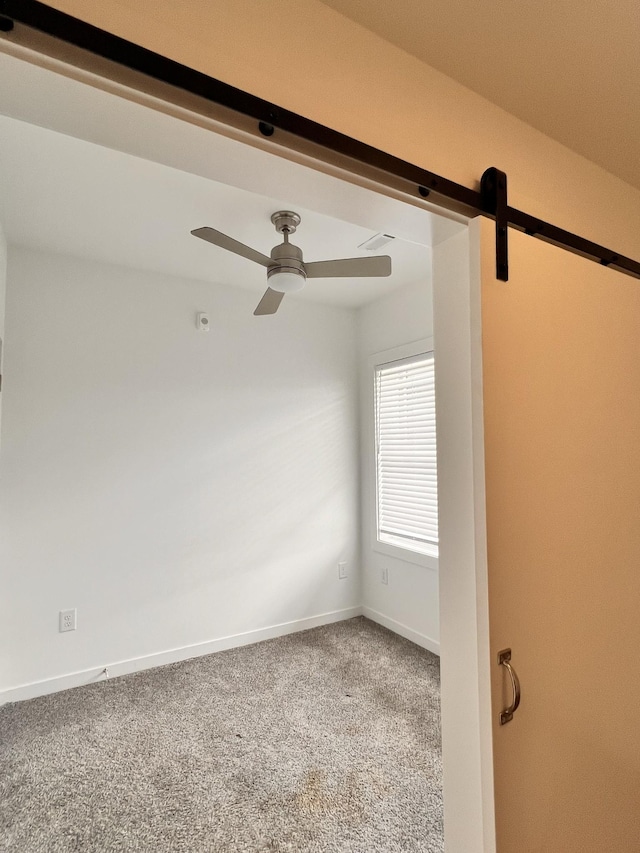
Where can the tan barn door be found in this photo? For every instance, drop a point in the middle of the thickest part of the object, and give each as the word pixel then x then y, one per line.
pixel 561 366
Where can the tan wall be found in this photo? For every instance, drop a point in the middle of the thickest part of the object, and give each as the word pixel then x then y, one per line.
pixel 310 59
pixel 562 423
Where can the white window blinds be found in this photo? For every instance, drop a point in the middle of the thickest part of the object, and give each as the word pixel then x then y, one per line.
pixel 407 493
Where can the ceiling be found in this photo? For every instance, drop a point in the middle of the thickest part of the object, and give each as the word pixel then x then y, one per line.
pixel 90 174
pixel 70 196
pixel 570 69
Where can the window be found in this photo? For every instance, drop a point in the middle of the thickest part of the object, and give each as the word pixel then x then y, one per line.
pixel 405 435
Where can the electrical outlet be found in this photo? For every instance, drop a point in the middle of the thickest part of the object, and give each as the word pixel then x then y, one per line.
pixel 68 620
pixel 385 576
pixel 342 570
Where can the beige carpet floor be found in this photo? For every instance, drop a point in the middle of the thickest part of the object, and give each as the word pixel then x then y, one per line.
pixel 325 740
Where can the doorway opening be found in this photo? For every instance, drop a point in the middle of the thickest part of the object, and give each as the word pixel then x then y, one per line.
pixel 125 185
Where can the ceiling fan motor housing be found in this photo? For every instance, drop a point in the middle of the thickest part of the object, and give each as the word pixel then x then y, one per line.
pixel 287 273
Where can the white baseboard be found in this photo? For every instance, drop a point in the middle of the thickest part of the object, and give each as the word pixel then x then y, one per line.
pixel 398 628
pixel 87 676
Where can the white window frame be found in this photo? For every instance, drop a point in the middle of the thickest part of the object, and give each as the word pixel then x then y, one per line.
pixel 428 560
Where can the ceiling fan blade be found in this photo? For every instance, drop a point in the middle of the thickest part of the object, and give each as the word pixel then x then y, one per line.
pixel 270 302
pixel 380 265
pixel 225 242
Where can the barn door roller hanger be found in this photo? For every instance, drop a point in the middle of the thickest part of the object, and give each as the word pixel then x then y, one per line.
pixel 43 28
pixel 493 190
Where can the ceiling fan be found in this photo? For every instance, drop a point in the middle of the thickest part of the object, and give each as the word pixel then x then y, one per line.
pixel 286 271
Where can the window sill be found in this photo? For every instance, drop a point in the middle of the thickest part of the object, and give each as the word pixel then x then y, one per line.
pixel 406 555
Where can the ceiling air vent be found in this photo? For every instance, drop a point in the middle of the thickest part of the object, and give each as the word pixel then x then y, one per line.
pixel 376 242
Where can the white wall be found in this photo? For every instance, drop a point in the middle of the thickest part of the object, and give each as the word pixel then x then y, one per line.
pixel 175 486
pixel 408 604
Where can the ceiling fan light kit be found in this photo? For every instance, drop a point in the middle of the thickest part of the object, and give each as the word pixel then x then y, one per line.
pixel 286 270
pixel 286 280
